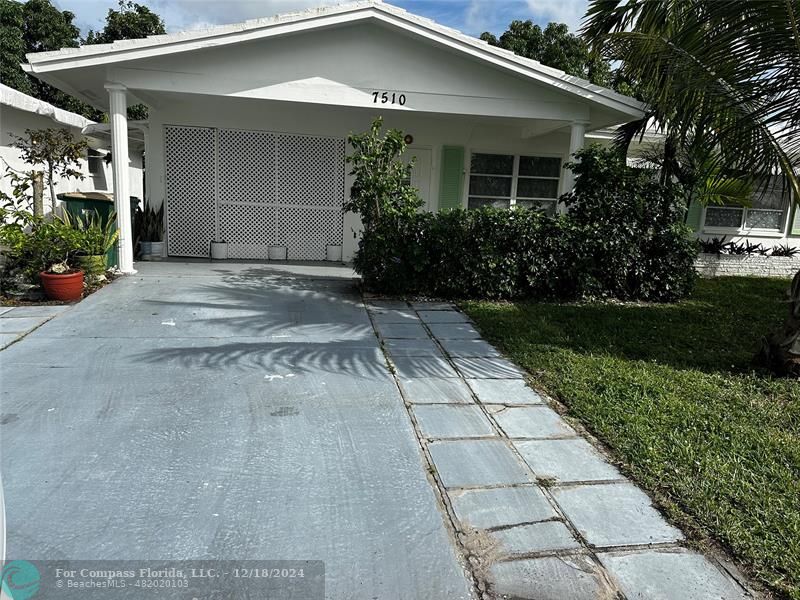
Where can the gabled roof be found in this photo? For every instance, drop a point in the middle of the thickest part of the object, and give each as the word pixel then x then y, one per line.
pixel 16 99
pixel 126 50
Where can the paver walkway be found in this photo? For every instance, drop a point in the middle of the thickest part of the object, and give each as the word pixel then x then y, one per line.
pixel 18 321
pixel 539 511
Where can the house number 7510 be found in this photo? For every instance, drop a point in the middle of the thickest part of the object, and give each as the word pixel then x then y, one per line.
pixel 387 98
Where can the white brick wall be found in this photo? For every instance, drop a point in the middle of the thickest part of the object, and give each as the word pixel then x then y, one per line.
pixel 712 265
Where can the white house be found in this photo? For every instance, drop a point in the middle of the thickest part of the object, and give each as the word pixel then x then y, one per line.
pixel 19 112
pixel 248 123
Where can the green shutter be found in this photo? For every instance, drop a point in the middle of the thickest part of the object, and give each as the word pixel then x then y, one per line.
pixel 795 228
pixel 694 214
pixel 451 178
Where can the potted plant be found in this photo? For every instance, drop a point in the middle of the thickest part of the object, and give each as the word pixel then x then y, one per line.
pixel 62 282
pixel 96 240
pixel 49 251
pixel 150 230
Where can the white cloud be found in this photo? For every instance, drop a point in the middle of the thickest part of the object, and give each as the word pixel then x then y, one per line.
pixel 191 14
pixel 179 15
pixel 570 12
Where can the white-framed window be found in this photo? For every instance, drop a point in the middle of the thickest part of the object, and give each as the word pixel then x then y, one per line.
pixel 506 180
pixel 767 213
pixel 95 162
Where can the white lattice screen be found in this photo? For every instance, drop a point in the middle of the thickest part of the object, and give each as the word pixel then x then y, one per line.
pixel 247 192
pixel 272 189
pixel 190 189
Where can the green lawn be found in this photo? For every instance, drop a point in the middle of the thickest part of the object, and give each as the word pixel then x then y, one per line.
pixel 670 389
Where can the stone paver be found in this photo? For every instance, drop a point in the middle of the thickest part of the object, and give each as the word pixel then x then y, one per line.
pixel 379 305
pixel 426 347
pixel 433 305
pixel 40 311
pixel 442 316
pixel 394 316
pixel 566 460
pixel 488 368
pixel 617 514
pixel 402 330
pixel 504 391
pixel 532 422
pixel 410 367
pixel 452 421
pixel 549 578
pixel 497 507
pixel 669 575
pixel 6 339
pixel 436 391
pixel 11 324
pixel 470 463
pixel 5 309
pixel 454 331
pixel 469 349
pixel 535 537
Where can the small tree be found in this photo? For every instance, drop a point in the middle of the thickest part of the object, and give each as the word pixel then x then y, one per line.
pixel 382 187
pixel 55 152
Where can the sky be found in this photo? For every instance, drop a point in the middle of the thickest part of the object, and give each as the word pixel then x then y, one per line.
pixel 470 16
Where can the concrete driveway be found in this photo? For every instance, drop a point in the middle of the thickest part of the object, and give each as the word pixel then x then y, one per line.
pixel 207 411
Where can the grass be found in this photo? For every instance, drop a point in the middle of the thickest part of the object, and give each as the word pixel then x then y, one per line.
pixel 670 389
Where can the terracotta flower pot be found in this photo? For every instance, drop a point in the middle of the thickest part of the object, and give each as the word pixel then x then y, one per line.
pixel 62 286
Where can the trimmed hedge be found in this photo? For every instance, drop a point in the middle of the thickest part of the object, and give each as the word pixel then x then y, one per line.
pixel 622 238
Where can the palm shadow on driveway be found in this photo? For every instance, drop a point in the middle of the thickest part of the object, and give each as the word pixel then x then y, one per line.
pixel 255 320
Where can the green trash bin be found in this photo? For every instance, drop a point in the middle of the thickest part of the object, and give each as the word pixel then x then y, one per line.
pixel 81 204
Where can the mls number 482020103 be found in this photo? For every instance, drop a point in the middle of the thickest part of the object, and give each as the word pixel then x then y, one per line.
pixel 388 98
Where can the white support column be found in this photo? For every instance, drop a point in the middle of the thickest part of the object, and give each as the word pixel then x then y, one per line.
pixel 120 164
pixel 577 135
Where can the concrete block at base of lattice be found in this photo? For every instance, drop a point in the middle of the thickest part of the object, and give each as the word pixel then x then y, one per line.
pixel 748 265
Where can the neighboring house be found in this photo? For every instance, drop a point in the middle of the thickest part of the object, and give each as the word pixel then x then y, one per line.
pixel 248 122
pixel 19 112
pixel 771 218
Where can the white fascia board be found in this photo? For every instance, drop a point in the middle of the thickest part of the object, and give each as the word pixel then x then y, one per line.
pixel 126 50
pixel 16 99
pixel 43 62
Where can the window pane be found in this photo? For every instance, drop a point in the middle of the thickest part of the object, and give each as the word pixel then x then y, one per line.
pixel 540 166
pixel 724 217
pixel 764 219
pixel 492 164
pixel 478 202
pixel 548 206
pixel 537 188
pixel 489 186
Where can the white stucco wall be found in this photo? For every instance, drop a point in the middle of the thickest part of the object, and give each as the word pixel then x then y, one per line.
pixel 14 121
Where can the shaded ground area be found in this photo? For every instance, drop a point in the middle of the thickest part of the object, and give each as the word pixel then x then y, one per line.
pixel 236 412
pixel 669 389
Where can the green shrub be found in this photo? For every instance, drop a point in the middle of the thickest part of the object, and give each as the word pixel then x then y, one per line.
pixel 34 244
pixel 634 244
pixel 621 238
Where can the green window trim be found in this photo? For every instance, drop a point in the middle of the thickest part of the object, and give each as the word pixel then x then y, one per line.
pixel 694 215
pixel 451 179
pixel 794 222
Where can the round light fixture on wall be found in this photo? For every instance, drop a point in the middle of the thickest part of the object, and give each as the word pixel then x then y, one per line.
pixel 409 139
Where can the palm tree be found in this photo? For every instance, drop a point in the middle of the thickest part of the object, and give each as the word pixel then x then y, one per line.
pixel 722 80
